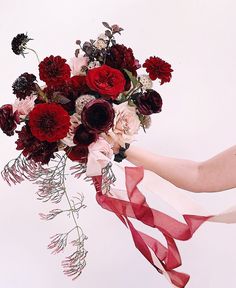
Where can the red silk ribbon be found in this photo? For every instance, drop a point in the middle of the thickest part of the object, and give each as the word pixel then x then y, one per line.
pixel 137 208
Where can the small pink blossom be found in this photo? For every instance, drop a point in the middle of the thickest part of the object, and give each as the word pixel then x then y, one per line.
pixel 76 64
pixel 24 106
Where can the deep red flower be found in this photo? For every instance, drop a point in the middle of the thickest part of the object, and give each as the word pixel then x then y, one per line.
pixel 24 85
pixel 83 136
pixel 78 153
pixel 98 115
pixel 107 81
pixel 49 122
pixel 121 57
pixel 53 70
pixel 33 148
pixel 158 68
pixel 78 84
pixel 8 119
pixel 148 103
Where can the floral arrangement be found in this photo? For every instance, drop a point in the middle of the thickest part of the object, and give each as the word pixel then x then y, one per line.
pixel 84 108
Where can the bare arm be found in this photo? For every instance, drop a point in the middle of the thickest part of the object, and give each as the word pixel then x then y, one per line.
pixel 213 175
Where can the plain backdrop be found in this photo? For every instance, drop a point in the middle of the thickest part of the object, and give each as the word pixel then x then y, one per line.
pixel 198 120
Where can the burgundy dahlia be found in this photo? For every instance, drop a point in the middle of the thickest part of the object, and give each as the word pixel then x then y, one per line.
pixel 98 115
pixel 78 153
pixel 83 136
pixel 8 119
pixel 107 81
pixel 24 85
pixel 121 57
pixel 148 102
pixel 49 122
pixel 33 148
pixel 53 70
pixel 158 68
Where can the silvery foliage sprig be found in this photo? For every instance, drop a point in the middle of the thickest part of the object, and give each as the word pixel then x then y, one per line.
pixel 51 181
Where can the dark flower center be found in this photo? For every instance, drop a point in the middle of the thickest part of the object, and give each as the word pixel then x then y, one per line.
pixel 47 123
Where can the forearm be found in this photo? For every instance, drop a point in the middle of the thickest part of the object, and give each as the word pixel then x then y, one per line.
pixel 215 174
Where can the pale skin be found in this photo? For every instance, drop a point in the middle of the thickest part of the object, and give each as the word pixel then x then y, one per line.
pixel 213 175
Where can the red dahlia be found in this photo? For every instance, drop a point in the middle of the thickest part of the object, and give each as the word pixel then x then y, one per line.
pixel 158 68
pixel 49 122
pixel 53 70
pixel 121 57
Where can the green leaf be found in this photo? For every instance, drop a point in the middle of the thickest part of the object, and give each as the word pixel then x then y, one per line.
pixel 132 78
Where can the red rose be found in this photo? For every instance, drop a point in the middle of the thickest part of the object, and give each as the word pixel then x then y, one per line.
pixel 121 57
pixel 158 68
pixel 54 70
pixel 106 81
pixel 49 122
pixel 98 115
pixel 8 119
pixel 148 103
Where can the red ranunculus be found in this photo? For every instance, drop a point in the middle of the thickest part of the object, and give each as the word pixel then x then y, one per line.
pixel 8 119
pixel 121 57
pixel 49 122
pixel 83 136
pixel 107 81
pixel 148 103
pixel 158 68
pixel 78 153
pixel 53 70
pixel 98 115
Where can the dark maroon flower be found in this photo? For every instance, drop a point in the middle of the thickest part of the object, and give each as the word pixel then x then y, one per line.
pixel 24 85
pixel 49 122
pixel 18 44
pixel 98 115
pixel 83 136
pixel 53 70
pixel 107 81
pixel 33 148
pixel 158 68
pixel 148 102
pixel 78 153
pixel 8 119
pixel 121 57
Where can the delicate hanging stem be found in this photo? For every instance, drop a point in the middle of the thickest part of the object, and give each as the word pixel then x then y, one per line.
pixel 33 52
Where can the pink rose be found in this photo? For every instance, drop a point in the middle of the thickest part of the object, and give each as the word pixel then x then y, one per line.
pixel 24 106
pixel 76 64
pixel 126 124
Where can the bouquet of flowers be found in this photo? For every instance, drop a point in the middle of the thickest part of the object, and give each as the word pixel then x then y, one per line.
pixel 89 110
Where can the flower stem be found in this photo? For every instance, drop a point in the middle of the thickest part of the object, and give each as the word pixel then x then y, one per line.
pixel 33 52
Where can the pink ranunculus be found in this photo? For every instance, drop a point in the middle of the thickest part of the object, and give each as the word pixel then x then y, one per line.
pixel 75 122
pixel 76 64
pixel 24 106
pixel 126 124
pixel 100 153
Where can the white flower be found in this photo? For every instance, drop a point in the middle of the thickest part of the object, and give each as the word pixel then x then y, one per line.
pixel 146 82
pixel 24 106
pixel 100 44
pixel 82 101
pixel 126 124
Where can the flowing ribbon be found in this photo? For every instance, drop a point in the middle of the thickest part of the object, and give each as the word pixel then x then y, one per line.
pixel 164 259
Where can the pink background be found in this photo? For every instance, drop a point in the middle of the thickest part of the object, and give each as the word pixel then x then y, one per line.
pixel 198 120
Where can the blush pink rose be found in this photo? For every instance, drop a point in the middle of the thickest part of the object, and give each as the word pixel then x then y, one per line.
pixel 24 106
pixel 76 64
pixel 126 124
